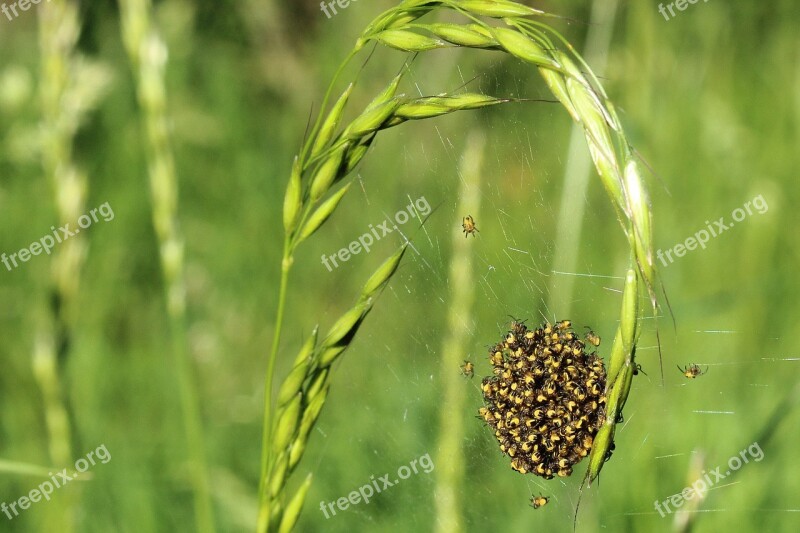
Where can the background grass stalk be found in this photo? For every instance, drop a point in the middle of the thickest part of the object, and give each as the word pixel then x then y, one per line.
pixel 578 168
pixel 58 34
pixel 148 56
pixel 450 461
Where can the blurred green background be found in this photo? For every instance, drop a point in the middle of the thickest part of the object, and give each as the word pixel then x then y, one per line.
pixel 711 99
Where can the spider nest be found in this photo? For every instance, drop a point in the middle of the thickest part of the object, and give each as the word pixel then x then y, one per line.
pixel 546 399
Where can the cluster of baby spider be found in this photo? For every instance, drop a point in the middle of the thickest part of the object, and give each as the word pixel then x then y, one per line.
pixel 546 399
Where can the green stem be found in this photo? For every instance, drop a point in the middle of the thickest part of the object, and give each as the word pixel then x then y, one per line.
pixel 264 498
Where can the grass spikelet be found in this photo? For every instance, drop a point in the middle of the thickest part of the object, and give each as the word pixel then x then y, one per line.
pixel 522 47
pixel 639 207
pixel 356 153
pixel 287 423
pixel 324 178
pixel 405 13
pixel 461 35
pixel 497 8
pixel 344 328
pixel 408 41
pixel 292 383
pixel 329 126
pixel 294 507
pixel 558 86
pixel 293 200
pixel 435 106
pixel 278 475
pixel 388 93
pixel 322 213
pixel 317 381
pixel 382 275
pixel 371 120
pixel 620 374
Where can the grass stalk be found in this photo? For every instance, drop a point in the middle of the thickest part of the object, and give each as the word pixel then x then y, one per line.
pixel 58 34
pixel 450 470
pixel 148 56
pixel 265 509
pixel 578 168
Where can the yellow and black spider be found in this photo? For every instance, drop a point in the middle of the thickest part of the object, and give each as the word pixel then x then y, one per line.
pixel 563 325
pixel 592 337
pixel 468 225
pixel 539 501
pixel 692 371
pixel 468 369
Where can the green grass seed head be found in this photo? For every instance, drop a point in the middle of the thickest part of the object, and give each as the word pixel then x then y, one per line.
pixel 382 274
pixel 356 153
pixel 326 174
pixel 461 35
pixel 408 41
pixel 278 474
pixel 523 47
pixel 371 120
pixel 313 409
pixel 497 8
pixel 421 109
pixel 287 423
pixel 322 213
pixel 292 384
pixel 293 200
pixel 328 127
pixel 294 507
